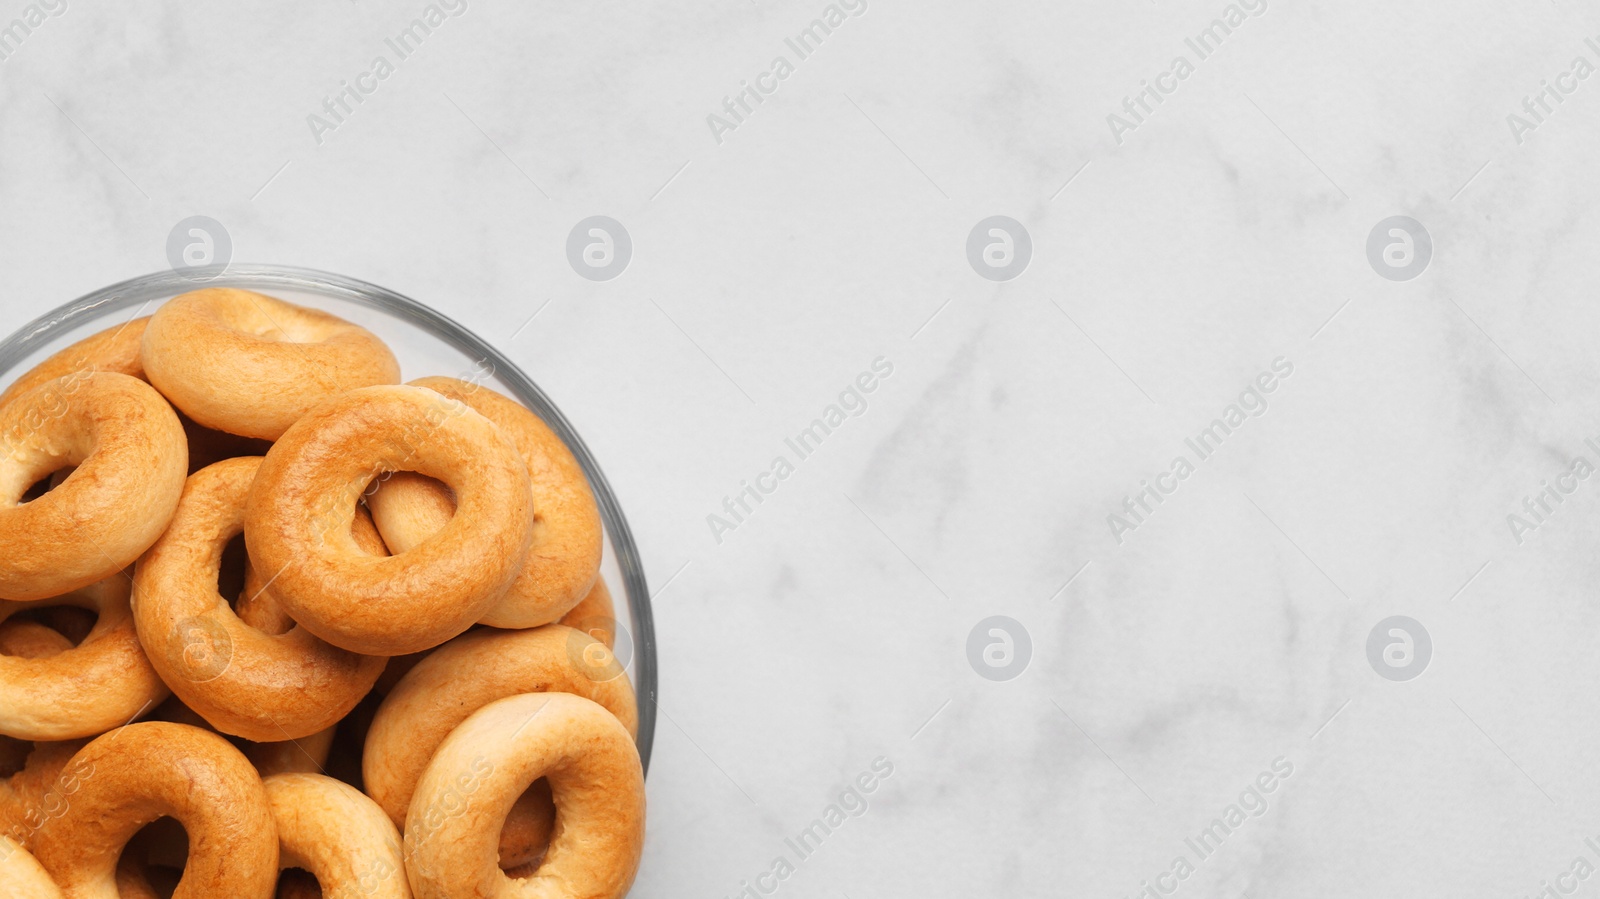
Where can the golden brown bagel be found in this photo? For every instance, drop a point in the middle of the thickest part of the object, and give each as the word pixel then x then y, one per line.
pixel 41 789
pixel 143 772
pixel 130 455
pixel 261 610
pixel 250 364
pixel 307 755
pixel 84 690
pixel 595 615
pixel 30 640
pixel 303 506
pixel 115 349
pixel 567 537
pixel 527 832
pixel 341 837
pixel 462 676
pixel 21 876
pixel 453 824
pixel 263 687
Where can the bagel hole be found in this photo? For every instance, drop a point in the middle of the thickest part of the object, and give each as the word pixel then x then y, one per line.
pixel 163 880
pixel 230 577
pixel 71 622
pixel 377 484
pixel 524 844
pixel 47 483
pixel 298 883
pixel 157 855
pixel 13 755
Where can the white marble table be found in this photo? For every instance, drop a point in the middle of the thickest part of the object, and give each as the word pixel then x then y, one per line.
pixel 1177 255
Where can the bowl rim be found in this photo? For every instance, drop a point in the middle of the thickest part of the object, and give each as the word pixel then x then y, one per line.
pixel 146 289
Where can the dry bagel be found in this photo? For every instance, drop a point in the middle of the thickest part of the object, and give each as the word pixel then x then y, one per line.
pixel 259 608
pixel 115 349
pixel 306 755
pixel 313 657
pixel 154 769
pixel 21 875
pixel 303 505
pixel 130 455
pixel 262 687
pixel 463 676
pixel 83 690
pixel 30 640
pixel 564 560
pixel 596 615
pixel 337 834
pixel 250 364
pixel 452 826
pixel 39 789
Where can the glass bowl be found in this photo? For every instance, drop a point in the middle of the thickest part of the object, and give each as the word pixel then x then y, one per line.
pixel 426 343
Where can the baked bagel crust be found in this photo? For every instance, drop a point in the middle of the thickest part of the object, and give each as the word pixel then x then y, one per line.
pixel 339 835
pixel 303 505
pixel 115 349
pixel 453 825
pixel 263 687
pixel 84 690
pixel 154 769
pixel 29 640
pixel 568 538
pixel 129 454
pixel 250 364
pixel 21 875
pixel 461 677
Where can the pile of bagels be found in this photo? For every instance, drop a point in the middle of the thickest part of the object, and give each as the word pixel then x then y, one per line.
pixel 274 624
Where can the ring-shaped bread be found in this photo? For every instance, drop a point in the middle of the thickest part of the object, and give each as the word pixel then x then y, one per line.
pixel 454 822
pixel 249 364
pixel 302 510
pixel 129 457
pixel 564 560
pixel 115 349
pixel 461 677
pixel 152 770
pixel 263 687
pixel 336 833
pixel 84 690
